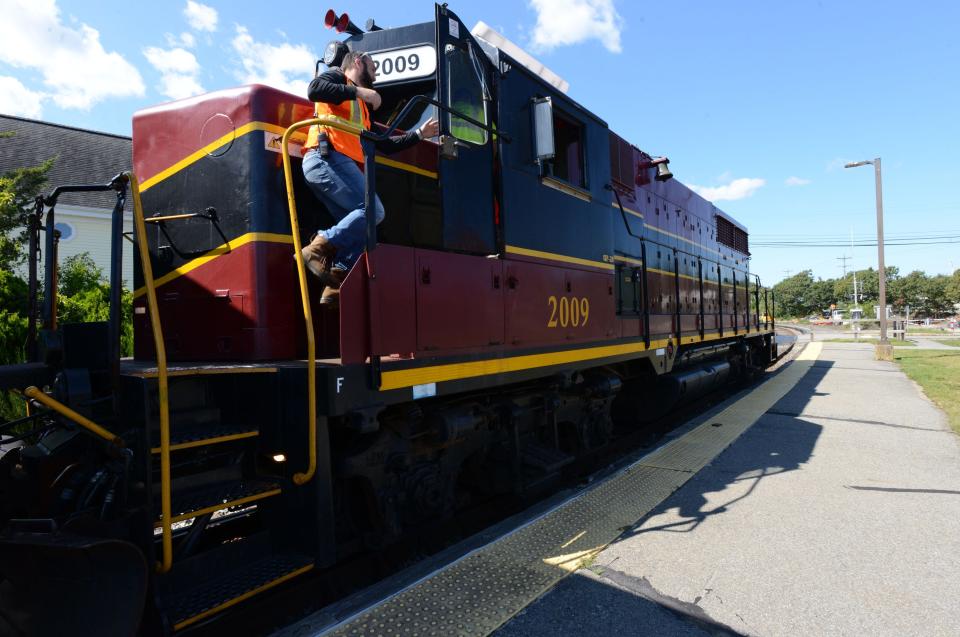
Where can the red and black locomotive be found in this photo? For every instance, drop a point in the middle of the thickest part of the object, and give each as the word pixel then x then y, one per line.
pixel 538 282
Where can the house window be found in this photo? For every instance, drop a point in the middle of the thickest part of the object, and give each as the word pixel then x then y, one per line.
pixel 567 163
pixel 67 231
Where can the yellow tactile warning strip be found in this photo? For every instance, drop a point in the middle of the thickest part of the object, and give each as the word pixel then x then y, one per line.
pixel 479 592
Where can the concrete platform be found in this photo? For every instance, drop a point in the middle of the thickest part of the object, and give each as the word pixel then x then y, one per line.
pixel 836 513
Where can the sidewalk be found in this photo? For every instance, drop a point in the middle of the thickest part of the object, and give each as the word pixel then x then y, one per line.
pixel 837 513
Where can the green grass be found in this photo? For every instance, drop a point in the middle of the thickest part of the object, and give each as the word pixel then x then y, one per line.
pixel 955 342
pixel 894 342
pixel 939 375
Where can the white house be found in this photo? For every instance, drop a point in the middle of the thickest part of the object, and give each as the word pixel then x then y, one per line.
pixel 81 157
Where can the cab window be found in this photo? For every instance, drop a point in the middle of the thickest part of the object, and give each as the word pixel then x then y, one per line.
pixel 567 163
pixel 464 94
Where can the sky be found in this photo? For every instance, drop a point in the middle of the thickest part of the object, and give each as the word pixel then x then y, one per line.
pixel 757 104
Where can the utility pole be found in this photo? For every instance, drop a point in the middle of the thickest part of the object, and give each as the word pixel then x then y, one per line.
pixel 843 265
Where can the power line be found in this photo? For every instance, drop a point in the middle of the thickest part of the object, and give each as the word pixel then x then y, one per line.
pixel 770 236
pixel 871 244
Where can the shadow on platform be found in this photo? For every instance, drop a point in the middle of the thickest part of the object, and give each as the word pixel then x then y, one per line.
pixel 779 442
pixel 611 603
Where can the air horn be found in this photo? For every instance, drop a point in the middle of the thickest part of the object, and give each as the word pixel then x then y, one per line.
pixel 340 23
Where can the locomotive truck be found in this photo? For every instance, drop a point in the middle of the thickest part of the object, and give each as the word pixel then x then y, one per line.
pixel 538 285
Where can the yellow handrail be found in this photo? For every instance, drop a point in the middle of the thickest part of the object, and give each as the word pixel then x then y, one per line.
pixel 63 410
pixel 166 559
pixel 333 122
pixel 188 215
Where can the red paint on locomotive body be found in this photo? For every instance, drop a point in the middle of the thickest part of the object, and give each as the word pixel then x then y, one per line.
pixel 239 306
pixel 551 305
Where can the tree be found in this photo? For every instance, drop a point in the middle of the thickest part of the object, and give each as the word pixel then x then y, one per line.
pixel 83 295
pixel 800 295
pixel 914 291
pixel 952 288
pixel 18 191
pixel 821 295
pixel 938 301
pixel 13 335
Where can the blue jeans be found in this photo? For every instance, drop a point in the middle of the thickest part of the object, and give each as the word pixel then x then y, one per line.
pixel 337 181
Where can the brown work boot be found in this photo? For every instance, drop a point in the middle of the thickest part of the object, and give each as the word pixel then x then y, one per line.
pixel 318 257
pixel 331 293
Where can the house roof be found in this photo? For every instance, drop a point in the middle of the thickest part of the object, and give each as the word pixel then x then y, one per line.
pixel 82 156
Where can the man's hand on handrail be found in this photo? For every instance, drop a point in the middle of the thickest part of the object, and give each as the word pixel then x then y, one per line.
pixel 430 128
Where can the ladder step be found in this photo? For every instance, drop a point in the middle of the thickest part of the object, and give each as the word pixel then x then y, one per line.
pixel 208 499
pixel 189 437
pixel 225 588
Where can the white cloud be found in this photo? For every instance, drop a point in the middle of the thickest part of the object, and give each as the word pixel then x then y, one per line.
pixel 796 181
pixel 285 66
pixel 565 22
pixel 185 39
pixel 17 99
pixel 74 66
pixel 200 16
pixel 172 60
pixel 177 86
pixel 736 189
pixel 179 71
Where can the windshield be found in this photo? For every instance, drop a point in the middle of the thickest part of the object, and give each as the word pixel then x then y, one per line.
pixel 395 98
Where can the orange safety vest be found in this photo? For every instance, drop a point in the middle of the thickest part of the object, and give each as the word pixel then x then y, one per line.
pixel 351 111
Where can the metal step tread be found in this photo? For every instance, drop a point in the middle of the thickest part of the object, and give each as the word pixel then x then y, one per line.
pixel 223 589
pixel 211 498
pixel 200 435
pixel 543 458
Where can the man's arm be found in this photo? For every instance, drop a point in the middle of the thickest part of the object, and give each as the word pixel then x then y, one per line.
pixel 331 87
pixel 397 143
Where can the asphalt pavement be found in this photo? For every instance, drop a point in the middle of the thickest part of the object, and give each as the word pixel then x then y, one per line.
pixel 836 513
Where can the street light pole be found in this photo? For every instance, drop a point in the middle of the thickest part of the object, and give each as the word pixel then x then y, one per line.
pixel 883 270
pixel 884 349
